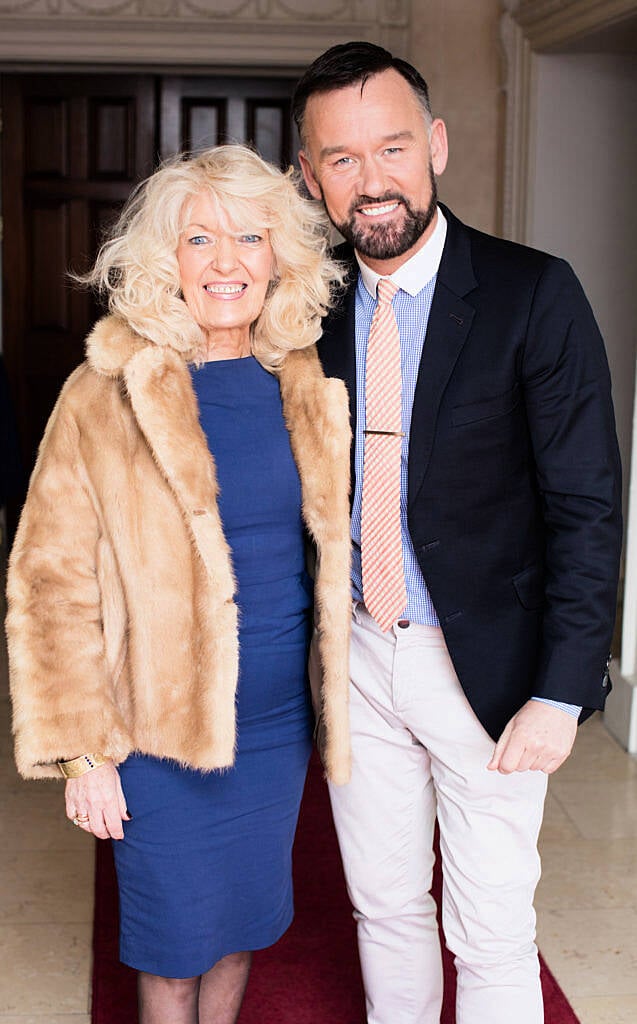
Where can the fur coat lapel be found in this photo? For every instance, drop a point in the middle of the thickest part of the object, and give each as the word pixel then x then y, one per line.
pixel 158 384
pixel 316 410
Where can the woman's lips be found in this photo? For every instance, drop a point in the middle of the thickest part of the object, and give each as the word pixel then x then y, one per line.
pixel 225 289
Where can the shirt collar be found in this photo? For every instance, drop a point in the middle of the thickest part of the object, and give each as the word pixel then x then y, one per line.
pixel 418 270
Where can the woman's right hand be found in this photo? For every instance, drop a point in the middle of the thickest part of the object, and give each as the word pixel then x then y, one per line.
pixel 96 800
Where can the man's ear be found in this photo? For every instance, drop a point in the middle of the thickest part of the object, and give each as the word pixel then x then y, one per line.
pixel 308 174
pixel 438 146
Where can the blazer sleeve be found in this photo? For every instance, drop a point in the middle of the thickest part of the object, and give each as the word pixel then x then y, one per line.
pixel 570 415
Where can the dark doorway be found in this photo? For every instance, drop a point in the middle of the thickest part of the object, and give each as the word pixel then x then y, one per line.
pixel 73 147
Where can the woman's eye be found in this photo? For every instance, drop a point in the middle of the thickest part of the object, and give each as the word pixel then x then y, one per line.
pixel 198 240
pixel 250 239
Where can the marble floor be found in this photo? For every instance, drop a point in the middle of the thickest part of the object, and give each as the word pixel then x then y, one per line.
pixel 586 901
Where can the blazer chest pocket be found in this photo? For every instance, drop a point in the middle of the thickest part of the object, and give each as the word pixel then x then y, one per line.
pixel 529 586
pixel 486 408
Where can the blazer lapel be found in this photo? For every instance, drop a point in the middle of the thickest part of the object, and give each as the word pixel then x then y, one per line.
pixel 449 324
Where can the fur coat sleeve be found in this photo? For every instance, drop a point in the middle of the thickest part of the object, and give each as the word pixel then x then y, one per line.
pixel 61 683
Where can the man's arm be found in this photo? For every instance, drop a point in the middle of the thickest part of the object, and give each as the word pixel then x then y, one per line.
pixel 569 410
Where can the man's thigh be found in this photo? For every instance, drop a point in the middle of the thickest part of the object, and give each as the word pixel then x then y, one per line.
pixel 489 822
pixel 385 815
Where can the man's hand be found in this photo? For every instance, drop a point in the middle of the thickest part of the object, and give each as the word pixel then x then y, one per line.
pixel 540 738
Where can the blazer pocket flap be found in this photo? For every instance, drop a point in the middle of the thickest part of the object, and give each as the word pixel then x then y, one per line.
pixel 529 586
pixel 486 408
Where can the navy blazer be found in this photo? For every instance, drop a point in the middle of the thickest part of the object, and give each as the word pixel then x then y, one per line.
pixel 514 479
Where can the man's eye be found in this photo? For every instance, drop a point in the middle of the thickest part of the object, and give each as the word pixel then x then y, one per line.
pixel 343 161
pixel 394 149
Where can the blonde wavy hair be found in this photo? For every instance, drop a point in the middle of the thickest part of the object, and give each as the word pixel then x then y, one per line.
pixel 136 268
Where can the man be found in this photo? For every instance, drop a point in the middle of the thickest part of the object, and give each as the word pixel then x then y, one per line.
pixel 486 538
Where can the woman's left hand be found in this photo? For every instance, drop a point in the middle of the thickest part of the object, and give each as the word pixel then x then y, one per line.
pixel 95 801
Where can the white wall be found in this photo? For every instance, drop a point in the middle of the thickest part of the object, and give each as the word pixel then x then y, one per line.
pixel 584 198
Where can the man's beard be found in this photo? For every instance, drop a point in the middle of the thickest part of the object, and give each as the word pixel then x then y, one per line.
pixel 384 241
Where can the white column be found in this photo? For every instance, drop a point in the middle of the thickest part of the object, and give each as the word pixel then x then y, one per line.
pixel 620 716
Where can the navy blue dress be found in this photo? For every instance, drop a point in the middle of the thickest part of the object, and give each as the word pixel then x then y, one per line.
pixel 205 866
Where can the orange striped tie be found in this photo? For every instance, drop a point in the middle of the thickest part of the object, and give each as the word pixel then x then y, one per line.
pixel 384 591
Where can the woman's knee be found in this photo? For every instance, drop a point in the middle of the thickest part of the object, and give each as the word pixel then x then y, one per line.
pixel 179 990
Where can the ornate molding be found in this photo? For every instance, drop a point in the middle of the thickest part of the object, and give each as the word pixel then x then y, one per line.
pixel 547 23
pixel 212 33
pixel 218 10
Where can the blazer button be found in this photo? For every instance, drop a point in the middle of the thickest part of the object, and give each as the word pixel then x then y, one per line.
pixel 606 676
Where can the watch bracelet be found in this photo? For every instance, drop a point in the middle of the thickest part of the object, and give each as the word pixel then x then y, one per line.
pixel 77 766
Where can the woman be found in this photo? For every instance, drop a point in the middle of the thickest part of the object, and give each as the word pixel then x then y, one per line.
pixel 158 601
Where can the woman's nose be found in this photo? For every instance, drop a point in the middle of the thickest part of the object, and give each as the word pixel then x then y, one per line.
pixel 225 254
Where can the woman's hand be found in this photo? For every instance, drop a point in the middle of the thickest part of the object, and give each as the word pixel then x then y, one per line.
pixel 96 800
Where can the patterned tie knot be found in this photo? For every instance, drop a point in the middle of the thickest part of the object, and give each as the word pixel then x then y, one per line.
pixel 385 290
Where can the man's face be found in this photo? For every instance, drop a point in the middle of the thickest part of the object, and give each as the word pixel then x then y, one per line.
pixel 371 157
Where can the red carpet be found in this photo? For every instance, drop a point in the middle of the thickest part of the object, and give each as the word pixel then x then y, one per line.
pixel 311 976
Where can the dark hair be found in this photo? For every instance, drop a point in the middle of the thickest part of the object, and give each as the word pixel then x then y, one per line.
pixel 347 64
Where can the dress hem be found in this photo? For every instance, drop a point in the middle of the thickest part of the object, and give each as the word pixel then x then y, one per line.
pixel 149 968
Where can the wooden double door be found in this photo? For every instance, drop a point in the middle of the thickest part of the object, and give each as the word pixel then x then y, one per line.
pixel 73 147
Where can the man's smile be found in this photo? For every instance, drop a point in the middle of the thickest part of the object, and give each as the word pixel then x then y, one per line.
pixel 377 210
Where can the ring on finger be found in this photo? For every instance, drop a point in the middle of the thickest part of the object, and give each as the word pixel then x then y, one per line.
pixel 80 819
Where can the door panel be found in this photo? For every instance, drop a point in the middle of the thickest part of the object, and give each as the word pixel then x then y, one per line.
pixel 203 123
pixel 268 125
pixel 73 147
pixel 201 112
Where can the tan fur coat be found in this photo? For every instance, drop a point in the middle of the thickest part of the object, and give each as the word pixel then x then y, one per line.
pixel 122 626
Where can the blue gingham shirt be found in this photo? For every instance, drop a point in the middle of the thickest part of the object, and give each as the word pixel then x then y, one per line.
pixel 416 280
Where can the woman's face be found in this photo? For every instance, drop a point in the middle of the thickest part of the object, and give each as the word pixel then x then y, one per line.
pixel 224 275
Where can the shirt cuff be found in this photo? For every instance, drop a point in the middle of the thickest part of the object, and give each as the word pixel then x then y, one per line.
pixel 571 709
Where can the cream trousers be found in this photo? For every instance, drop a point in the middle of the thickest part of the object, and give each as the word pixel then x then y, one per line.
pixel 419 753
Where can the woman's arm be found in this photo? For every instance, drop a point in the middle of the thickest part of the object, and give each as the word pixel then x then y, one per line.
pixel 60 681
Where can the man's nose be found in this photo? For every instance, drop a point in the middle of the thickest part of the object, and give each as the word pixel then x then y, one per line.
pixel 373 182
